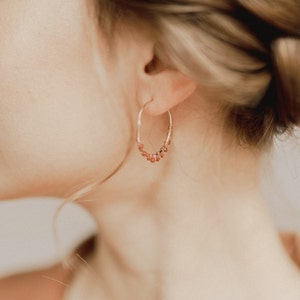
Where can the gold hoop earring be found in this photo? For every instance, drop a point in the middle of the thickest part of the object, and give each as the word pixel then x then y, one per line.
pixel 155 157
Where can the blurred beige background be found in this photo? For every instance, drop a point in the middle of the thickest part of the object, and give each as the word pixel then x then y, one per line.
pixel 26 225
pixel 27 238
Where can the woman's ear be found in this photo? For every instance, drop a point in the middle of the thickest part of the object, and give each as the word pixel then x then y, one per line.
pixel 168 87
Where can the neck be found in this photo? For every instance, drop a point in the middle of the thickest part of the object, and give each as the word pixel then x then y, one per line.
pixel 181 227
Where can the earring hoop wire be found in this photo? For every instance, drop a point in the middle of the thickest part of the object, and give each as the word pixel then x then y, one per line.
pixel 154 157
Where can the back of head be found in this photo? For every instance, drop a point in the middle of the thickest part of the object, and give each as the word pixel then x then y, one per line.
pixel 243 53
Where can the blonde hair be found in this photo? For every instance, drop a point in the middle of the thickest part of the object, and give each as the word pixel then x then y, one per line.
pixel 246 52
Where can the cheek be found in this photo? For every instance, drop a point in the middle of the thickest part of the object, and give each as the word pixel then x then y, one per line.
pixel 57 125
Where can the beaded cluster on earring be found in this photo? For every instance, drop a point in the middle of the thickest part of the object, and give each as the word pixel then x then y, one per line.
pixel 156 157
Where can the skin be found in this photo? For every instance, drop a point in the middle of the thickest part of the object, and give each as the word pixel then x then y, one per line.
pixel 51 107
pixel 193 226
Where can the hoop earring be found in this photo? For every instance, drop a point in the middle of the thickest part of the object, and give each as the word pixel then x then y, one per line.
pixel 155 157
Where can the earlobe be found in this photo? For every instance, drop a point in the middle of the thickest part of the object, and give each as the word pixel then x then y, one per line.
pixel 169 87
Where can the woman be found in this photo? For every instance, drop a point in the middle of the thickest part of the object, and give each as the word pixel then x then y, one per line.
pixel 210 82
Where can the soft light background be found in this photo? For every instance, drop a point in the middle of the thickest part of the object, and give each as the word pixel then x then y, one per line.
pixel 27 237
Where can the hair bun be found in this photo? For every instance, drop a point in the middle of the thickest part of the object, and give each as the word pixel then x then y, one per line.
pixel 282 14
pixel 286 64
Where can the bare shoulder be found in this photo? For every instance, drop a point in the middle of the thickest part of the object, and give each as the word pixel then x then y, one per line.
pixel 291 242
pixel 47 284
